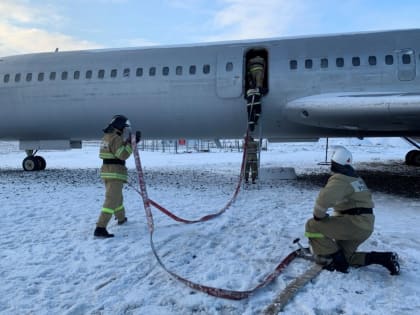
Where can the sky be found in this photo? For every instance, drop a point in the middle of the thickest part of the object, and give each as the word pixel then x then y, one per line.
pixel 42 25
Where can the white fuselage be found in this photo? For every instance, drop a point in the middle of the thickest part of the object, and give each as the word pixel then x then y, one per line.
pixel 197 91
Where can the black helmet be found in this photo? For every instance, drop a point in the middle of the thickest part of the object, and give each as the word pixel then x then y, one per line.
pixel 119 122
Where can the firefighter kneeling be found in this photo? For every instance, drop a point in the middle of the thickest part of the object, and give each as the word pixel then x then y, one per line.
pixel 114 151
pixel 334 239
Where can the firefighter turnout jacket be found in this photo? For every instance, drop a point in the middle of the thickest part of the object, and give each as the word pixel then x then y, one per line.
pixel 114 151
pixel 252 150
pixel 342 193
pixel 256 68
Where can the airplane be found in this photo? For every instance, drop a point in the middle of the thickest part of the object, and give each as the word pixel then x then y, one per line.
pixel 340 85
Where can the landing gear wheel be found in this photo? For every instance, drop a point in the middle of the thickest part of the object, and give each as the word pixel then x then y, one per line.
pixel 30 164
pixel 34 163
pixel 42 164
pixel 413 157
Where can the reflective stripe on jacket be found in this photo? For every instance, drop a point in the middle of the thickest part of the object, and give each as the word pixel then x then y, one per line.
pixel 256 64
pixel 114 147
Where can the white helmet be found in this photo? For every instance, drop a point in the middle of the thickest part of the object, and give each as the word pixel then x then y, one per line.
pixel 342 156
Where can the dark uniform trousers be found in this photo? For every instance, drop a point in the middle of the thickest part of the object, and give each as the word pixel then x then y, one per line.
pixel 113 203
pixel 345 232
pixel 253 107
pixel 251 167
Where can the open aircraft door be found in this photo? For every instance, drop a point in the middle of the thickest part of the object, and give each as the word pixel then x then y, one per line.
pixel 229 76
pixel 406 64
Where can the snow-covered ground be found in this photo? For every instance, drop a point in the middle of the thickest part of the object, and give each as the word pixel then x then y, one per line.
pixel 51 264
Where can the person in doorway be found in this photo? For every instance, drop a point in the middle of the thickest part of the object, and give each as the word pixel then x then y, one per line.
pixel 255 73
pixel 114 150
pixel 251 159
pixel 334 239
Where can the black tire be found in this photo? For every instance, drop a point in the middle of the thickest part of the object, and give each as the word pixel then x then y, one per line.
pixel 30 164
pixel 415 158
pixel 42 164
pixel 409 157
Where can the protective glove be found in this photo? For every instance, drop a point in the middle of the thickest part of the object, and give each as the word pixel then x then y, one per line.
pixel 138 136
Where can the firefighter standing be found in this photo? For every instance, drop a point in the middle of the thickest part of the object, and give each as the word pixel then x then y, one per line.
pixel 256 70
pixel 114 151
pixel 251 163
pixel 335 239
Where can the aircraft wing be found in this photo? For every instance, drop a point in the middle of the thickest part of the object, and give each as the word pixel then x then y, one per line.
pixel 362 111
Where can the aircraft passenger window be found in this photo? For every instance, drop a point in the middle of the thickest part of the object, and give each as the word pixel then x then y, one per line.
pixel 324 63
pixel 308 64
pixel 139 72
pixel 64 75
pixel 165 71
pixel 152 71
pixel 113 73
pixel 389 59
pixel 101 74
pixel 41 76
pixel 76 75
pixel 355 61
pixel 229 67
pixel 17 77
pixel 6 78
pixel 178 70
pixel 339 62
pixel 406 59
pixel 29 77
pixel 88 74
pixel 372 60
pixel 293 64
pixel 126 72
pixel 206 69
pixel 52 76
pixel 193 69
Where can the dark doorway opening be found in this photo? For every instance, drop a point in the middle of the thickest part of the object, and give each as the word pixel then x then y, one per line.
pixel 253 52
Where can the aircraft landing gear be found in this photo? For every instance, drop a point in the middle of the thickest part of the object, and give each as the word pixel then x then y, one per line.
pixel 413 158
pixel 33 162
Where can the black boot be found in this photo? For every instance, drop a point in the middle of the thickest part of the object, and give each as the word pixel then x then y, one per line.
pixel 389 260
pixel 102 232
pixel 339 263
